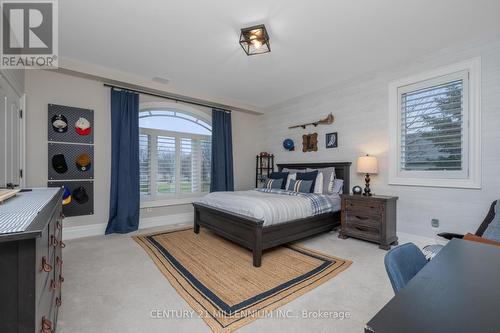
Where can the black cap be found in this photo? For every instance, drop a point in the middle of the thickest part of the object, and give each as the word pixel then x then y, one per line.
pixel 59 163
pixel 80 195
pixel 59 123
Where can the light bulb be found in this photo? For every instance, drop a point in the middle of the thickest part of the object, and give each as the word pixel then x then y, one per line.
pixel 257 43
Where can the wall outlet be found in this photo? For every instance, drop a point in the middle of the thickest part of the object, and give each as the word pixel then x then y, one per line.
pixel 435 223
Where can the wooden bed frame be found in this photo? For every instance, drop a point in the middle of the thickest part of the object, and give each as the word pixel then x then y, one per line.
pixel 250 232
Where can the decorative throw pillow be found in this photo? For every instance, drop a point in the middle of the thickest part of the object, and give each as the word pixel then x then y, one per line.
pixel 328 176
pixel 303 186
pixel 292 176
pixel 273 183
pixel 336 186
pixel 280 175
pixel 318 185
pixel 308 176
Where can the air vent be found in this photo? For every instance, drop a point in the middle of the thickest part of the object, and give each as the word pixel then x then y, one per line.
pixel 162 80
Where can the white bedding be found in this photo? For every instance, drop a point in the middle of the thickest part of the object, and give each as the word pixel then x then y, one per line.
pixel 270 207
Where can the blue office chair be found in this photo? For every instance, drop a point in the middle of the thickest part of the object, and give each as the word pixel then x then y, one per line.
pixel 402 263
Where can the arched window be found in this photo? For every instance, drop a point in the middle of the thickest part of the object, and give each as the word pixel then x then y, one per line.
pixel 174 151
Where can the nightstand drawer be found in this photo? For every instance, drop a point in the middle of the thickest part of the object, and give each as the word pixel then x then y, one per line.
pixel 364 211
pixel 370 220
pixel 364 205
pixel 362 231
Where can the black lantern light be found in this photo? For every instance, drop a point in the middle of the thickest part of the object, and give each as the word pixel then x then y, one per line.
pixel 255 40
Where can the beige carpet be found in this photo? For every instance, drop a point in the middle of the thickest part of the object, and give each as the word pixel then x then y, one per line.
pixel 217 279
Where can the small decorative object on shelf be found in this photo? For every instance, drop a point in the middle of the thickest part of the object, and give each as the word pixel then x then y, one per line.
pixel 357 190
pixel 367 165
pixel 264 166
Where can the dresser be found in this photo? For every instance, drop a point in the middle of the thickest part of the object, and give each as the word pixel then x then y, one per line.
pixel 31 260
pixel 369 218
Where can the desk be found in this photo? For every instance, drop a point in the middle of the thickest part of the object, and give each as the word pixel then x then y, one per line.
pixel 458 291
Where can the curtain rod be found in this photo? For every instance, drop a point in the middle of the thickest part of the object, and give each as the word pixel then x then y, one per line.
pixel 212 106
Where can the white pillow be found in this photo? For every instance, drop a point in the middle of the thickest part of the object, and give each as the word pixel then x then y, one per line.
pixel 318 185
pixel 290 176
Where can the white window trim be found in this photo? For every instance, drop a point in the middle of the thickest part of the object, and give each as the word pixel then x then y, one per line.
pixel 150 201
pixel 473 179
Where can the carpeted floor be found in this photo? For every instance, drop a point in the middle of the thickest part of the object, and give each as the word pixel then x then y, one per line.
pixel 111 285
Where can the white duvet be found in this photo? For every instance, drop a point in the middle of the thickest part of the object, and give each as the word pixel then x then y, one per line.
pixel 270 207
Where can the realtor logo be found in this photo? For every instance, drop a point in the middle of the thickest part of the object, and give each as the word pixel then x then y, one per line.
pixel 29 34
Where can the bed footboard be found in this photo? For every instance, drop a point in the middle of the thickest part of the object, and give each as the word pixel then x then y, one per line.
pixel 243 230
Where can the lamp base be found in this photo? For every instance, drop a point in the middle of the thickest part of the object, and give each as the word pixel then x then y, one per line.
pixel 367 191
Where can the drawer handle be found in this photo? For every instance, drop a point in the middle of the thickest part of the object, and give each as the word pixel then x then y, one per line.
pixel 59 261
pixel 58 302
pixel 61 279
pixel 46 325
pixel 53 241
pixel 361 217
pixel 53 285
pixel 62 244
pixel 46 267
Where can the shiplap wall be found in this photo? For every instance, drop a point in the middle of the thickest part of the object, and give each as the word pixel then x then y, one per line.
pixel 360 108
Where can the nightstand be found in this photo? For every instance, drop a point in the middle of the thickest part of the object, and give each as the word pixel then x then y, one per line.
pixel 369 218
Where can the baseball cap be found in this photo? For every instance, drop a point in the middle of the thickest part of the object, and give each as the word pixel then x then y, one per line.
pixel 80 195
pixel 59 123
pixel 59 163
pixel 66 196
pixel 83 162
pixel 82 126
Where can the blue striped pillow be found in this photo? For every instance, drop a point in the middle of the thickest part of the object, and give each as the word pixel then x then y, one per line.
pixel 297 185
pixel 273 183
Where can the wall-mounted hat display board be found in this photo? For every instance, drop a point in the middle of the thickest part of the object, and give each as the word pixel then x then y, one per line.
pixel 77 197
pixel 70 124
pixel 70 161
pixel 70 142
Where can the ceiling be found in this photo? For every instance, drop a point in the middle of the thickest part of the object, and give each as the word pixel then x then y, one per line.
pixel 315 43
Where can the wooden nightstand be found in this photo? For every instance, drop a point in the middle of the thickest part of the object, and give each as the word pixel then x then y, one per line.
pixel 369 218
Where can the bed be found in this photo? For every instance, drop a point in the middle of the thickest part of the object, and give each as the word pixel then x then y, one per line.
pixel 258 234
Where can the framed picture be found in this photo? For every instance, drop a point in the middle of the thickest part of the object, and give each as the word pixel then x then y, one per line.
pixel 331 140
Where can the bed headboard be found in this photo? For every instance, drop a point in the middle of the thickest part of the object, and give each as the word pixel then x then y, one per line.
pixel 342 170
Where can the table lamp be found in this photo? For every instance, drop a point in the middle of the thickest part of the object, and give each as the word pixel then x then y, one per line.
pixel 367 165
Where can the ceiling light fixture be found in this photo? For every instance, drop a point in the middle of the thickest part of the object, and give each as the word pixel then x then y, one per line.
pixel 255 40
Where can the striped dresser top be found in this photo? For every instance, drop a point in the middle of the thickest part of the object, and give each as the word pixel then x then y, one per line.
pixel 17 213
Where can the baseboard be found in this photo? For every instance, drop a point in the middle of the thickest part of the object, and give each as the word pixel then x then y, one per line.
pixel 145 223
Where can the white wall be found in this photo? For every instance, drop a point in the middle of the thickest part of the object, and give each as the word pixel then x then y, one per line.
pixel 44 87
pixel 360 108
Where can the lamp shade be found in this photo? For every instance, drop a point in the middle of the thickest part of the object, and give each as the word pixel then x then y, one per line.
pixel 367 164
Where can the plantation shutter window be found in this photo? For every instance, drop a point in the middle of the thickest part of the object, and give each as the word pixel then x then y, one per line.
pixel 435 127
pixel 175 155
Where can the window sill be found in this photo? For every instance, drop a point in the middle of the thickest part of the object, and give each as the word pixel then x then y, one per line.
pixel 430 182
pixel 174 201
